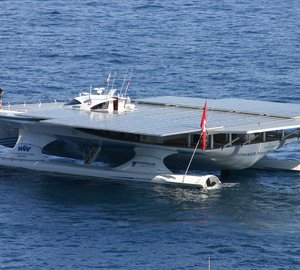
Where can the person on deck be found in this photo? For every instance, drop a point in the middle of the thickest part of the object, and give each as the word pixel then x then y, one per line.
pixel 1 94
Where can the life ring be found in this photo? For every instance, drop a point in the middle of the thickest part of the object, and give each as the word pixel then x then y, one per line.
pixel 89 103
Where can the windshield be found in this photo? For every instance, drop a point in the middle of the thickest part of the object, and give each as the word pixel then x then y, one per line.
pixel 73 102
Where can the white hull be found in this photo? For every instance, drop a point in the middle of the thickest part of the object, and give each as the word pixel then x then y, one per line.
pixel 206 182
pixel 272 164
pixel 232 157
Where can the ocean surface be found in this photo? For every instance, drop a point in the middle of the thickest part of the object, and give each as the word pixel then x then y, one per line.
pixel 233 48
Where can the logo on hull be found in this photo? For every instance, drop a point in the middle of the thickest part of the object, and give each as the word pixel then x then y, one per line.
pixel 24 148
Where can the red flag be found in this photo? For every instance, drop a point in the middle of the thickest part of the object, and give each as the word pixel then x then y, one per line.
pixel 203 127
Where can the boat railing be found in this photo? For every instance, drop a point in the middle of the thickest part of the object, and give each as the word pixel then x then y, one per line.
pixel 231 142
pixel 17 109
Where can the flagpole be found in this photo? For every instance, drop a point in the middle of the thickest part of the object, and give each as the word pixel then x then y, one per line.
pixel 194 152
pixel 202 136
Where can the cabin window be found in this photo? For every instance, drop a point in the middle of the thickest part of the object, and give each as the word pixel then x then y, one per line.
pixel 101 106
pixel 220 138
pixel 196 138
pixel 73 102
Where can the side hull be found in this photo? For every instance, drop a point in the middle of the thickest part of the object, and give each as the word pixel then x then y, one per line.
pixel 8 134
pixel 205 182
pixel 35 136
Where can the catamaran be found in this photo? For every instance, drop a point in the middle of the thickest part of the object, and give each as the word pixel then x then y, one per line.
pixel 102 133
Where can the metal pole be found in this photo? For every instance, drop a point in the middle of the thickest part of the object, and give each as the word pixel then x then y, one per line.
pixel 128 83
pixel 125 77
pixel 113 82
pixel 188 167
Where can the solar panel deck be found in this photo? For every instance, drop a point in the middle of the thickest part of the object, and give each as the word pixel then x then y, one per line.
pixel 230 104
pixel 167 115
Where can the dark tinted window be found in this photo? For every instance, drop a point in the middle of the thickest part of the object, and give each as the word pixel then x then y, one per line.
pixel 73 102
pixel 100 106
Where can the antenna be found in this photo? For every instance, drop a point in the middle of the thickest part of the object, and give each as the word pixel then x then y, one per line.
pixel 125 77
pixel 91 87
pixel 107 81
pixel 128 82
pixel 113 82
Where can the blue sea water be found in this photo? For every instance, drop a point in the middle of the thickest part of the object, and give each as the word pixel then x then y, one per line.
pixel 233 48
